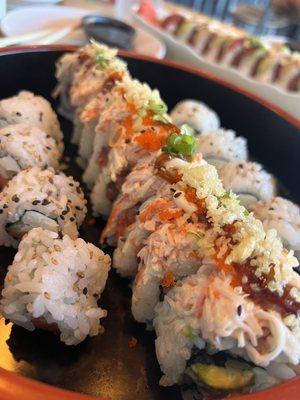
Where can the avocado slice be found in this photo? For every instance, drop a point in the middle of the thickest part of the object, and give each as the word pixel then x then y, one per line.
pixel 221 378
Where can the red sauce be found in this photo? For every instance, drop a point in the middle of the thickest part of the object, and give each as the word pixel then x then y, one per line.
pixel 168 175
pixel 294 83
pixel 256 65
pixel 113 188
pixel 103 157
pixel 208 45
pixel 125 219
pixel 242 54
pixel 284 304
pixel 277 72
pixel 111 81
pixel 175 19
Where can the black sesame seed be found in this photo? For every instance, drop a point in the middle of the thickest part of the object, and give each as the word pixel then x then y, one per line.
pixel 77 208
pixel 173 190
pixel 35 202
pixel 78 190
pixel 71 184
pixel 85 291
pixel 239 310
pixel 177 194
pixel 45 202
pixel 5 206
pixel 64 212
pixel 48 148
pixel 72 219
pixel 1 211
pixel 7 134
pixel 127 141
pixel 48 136
pixel 15 198
pixel 189 220
pixel 18 114
pixel 41 117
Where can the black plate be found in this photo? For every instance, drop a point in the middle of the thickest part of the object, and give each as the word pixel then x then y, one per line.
pixel 106 365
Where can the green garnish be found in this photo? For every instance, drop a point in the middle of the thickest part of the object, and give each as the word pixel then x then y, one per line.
pixel 246 213
pixel 187 130
pixel 160 110
pixel 101 60
pixel 184 145
pixel 197 235
pixel 186 330
pixel 255 42
pixel 225 196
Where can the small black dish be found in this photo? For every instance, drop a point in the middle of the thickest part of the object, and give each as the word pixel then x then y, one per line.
pixel 109 31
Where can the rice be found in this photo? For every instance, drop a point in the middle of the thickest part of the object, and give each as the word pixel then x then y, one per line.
pixel 55 284
pixel 222 146
pixel 26 107
pixel 248 180
pixel 38 196
pixel 23 146
pixel 196 114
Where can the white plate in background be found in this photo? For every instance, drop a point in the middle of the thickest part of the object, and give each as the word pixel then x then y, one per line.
pixel 35 18
pixel 180 52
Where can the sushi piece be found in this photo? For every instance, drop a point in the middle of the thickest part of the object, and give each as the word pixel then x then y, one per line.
pixel 284 216
pixel 138 136
pixel 208 329
pixel 54 284
pixel 23 146
pixel 39 197
pixel 113 114
pixel 249 181
pixel 95 70
pixel 222 146
pixel 286 73
pixel 26 107
pixel 197 115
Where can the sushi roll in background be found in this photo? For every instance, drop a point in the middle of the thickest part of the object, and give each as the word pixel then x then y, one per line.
pixel 222 146
pixel 54 284
pixel 23 146
pixel 284 216
pixel 197 115
pixel 249 181
pixel 43 198
pixel 34 110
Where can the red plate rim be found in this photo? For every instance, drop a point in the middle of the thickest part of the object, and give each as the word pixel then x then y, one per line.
pixel 15 387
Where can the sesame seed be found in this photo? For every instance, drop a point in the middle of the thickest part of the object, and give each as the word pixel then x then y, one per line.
pixel 47 296
pixel 35 202
pixel 80 274
pixel 85 291
pixel 72 219
pixel 45 202
pixel 239 310
pixel 177 194
pixel 57 248
pixel 15 198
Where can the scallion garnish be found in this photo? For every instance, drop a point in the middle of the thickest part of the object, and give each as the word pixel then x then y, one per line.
pixel 184 145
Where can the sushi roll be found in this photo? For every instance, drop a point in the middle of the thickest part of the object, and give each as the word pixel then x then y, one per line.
pixel 23 146
pixel 26 107
pixel 137 137
pixel 284 216
pixel 249 181
pixel 197 115
pixel 222 146
pixel 39 197
pixel 54 284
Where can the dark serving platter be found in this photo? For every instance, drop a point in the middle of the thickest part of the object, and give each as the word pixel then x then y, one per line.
pixel 106 366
